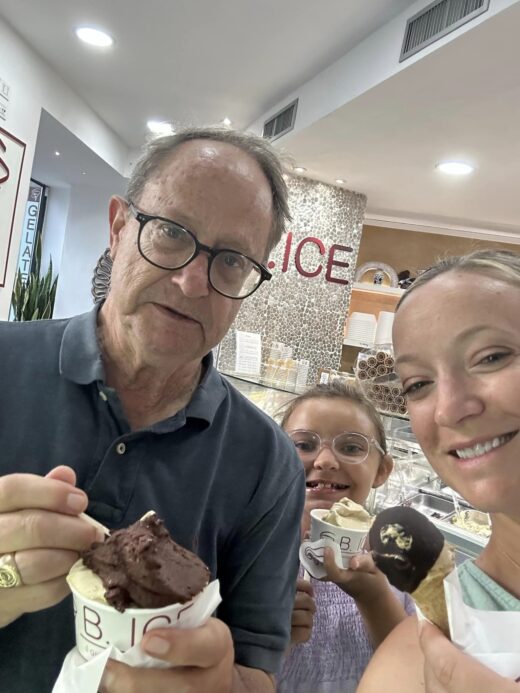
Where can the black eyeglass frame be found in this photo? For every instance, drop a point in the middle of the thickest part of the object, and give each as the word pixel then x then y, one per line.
pixel 143 219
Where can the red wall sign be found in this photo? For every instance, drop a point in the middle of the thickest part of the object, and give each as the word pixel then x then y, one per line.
pixel 12 153
pixel 334 257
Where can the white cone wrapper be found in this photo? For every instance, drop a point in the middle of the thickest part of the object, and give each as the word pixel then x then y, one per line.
pixel 491 637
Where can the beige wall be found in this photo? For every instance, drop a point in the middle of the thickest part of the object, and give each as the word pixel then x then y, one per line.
pixel 415 250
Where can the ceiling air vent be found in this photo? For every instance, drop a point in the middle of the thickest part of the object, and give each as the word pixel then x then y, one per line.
pixel 437 20
pixel 281 122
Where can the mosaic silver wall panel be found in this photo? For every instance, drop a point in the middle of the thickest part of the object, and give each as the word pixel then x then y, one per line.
pixel 306 312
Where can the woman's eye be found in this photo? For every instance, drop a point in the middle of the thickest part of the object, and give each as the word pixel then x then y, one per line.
pixel 494 357
pixel 415 388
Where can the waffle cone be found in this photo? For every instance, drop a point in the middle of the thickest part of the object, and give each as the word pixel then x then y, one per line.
pixel 429 596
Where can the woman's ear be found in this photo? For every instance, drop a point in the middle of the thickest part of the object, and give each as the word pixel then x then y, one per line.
pixel 385 469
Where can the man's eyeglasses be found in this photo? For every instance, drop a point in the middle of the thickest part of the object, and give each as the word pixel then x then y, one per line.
pixel 352 448
pixel 170 246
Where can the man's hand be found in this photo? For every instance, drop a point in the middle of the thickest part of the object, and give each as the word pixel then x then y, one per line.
pixel 203 660
pixel 448 670
pixel 40 527
pixel 303 613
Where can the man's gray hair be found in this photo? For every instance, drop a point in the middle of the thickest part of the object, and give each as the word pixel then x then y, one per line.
pixel 158 150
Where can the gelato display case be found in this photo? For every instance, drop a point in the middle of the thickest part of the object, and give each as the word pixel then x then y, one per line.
pixel 269 399
pixel 412 482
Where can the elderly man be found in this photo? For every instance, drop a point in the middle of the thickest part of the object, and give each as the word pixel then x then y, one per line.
pixel 120 410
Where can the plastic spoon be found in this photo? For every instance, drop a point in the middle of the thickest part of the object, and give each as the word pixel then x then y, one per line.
pixel 94 523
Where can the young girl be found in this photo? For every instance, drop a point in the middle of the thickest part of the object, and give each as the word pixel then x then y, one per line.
pixel 457 347
pixel 357 612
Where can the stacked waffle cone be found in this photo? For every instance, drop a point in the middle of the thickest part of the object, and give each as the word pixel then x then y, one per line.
pixel 376 374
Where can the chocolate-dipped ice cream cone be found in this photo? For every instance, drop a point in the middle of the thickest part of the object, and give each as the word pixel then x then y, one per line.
pixel 412 553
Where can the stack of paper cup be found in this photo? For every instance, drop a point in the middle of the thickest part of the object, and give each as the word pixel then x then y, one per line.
pixel 383 335
pixel 361 328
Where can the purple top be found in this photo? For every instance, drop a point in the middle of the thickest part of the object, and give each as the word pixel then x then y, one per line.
pixel 335 657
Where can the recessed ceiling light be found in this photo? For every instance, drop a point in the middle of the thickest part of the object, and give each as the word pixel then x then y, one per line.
pixel 339 181
pixel 160 127
pixel 226 122
pixel 94 37
pixel 56 153
pixel 455 168
pixel 83 173
pixel 299 169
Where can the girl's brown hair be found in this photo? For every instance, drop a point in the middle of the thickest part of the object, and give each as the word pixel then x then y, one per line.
pixel 337 389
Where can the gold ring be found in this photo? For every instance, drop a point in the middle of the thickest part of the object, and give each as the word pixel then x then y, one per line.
pixel 9 573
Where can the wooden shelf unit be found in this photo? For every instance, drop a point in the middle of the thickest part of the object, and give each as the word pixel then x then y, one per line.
pixel 367 298
pixel 370 298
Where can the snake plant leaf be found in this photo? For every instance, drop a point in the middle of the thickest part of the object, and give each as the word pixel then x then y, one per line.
pixel 33 299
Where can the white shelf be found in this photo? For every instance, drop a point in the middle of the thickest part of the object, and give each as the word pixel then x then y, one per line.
pixel 378 288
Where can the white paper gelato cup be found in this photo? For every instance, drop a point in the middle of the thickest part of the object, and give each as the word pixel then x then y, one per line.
pixel 99 626
pixel 350 541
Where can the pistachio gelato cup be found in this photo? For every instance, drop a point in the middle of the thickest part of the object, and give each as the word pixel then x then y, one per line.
pixel 351 541
pixel 100 626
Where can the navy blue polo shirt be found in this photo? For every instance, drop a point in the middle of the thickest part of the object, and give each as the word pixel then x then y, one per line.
pixel 222 475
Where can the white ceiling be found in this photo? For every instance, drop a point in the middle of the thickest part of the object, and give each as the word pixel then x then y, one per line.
pixel 193 61
pixel 197 61
pixel 76 163
pixel 462 102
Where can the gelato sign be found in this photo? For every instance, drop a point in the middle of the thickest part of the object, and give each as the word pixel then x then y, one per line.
pixel 30 228
pixel 12 152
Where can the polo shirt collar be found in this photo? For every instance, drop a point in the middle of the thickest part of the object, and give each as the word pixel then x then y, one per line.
pixel 80 356
pixel 209 394
pixel 82 363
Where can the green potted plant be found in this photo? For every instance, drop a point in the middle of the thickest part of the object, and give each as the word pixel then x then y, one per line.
pixel 33 299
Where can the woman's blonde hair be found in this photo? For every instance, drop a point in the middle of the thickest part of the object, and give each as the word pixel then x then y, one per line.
pixel 499 264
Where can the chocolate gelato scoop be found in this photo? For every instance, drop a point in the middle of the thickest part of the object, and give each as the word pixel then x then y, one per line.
pixel 405 545
pixel 141 566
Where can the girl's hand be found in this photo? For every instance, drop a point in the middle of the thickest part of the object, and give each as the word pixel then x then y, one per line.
pixel 362 580
pixel 378 605
pixel 303 613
